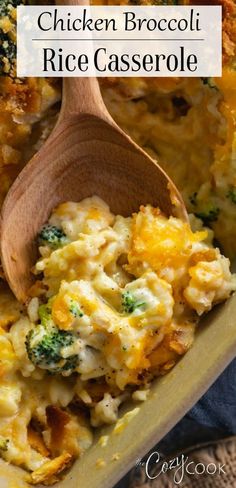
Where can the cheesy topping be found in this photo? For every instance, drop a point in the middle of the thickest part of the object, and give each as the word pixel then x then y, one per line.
pixel 119 302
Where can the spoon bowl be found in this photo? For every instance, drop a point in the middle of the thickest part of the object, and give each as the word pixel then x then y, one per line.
pixel 86 154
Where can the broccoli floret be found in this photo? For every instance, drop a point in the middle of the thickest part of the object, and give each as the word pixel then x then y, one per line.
pixel 7 55
pixel 44 345
pixel 3 443
pixel 232 195
pixel 7 43
pixel 193 198
pixel 129 302
pixel 7 5
pixel 75 310
pixel 209 82
pixel 209 215
pixel 52 236
pixel 44 313
pixel 7 51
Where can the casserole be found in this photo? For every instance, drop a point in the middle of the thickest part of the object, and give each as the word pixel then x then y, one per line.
pixel 198 117
pixel 187 382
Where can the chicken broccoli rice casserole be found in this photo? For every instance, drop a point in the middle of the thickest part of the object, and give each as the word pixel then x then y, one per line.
pixel 116 300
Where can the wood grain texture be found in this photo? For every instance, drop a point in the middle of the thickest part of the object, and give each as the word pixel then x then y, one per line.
pixel 86 154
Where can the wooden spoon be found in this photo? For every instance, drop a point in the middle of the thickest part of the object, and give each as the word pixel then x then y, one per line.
pixel 86 154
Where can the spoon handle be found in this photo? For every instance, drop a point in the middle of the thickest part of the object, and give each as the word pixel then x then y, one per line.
pixel 82 95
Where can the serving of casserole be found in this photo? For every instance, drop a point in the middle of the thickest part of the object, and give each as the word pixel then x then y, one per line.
pixel 117 300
